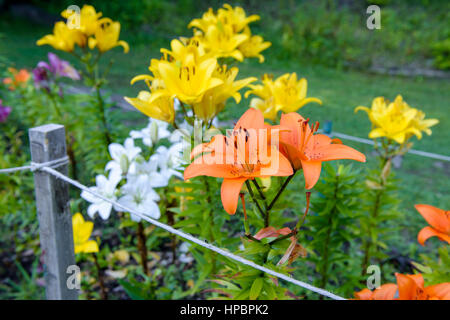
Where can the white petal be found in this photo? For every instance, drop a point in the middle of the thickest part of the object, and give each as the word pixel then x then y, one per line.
pixel 136 134
pixel 92 209
pixel 104 210
pixel 151 209
pixel 101 181
pixel 90 197
pixel 157 180
pixel 135 217
pixel 116 150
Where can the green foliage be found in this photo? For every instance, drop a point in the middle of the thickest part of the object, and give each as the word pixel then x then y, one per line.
pixel 436 270
pixel 27 287
pixel 240 282
pixel 201 214
pixel 441 53
pixel 380 205
pixel 328 33
pixel 332 227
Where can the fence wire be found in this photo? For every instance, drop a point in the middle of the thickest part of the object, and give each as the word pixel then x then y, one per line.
pixel 46 167
pixel 413 151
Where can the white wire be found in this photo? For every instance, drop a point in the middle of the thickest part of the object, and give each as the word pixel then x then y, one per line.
pixel 367 141
pixel 36 166
pixel 186 236
pixel 11 170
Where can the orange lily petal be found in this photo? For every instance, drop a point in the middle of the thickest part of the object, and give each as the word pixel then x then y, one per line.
pixel 364 294
pixel 407 287
pixel 292 154
pixel 337 152
pixel 437 218
pixel 291 121
pixel 217 144
pixel 230 193
pixel 252 118
pixel 441 291
pixel 418 279
pixel 211 170
pixel 429 232
pixel 385 292
pixel 281 169
pixel 311 171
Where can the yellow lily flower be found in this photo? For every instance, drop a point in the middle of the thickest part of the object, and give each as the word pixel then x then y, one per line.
pixel 222 41
pixel 290 94
pixel 424 124
pixel 396 120
pixel 107 36
pixel 285 94
pixel 214 99
pixel 88 19
pixel 158 105
pixel 63 38
pixel 224 32
pixel 252 47
pixel 208 18
pixel 81 232
pixel 188 81
pixel 190 50
pixel 236 17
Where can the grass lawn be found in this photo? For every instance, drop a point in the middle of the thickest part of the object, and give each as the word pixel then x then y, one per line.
pixel 423 180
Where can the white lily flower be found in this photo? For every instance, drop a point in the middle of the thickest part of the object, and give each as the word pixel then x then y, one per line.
pixel 107 188
pixel 122 156
pixel 150 135
pixel 170 160
pixel 140 196
pixel 148 169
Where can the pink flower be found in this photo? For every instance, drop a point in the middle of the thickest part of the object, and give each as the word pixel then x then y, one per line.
pixel 4 112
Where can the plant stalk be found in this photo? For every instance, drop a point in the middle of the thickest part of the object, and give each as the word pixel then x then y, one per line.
pixel 142 247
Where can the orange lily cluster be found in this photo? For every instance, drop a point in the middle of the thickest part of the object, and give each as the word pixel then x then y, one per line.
pixel 253 150
pixel 408 287
pixel 411 287
pixel 439 221
pixel 18 78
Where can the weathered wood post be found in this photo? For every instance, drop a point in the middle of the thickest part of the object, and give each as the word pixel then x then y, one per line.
pixel 48 143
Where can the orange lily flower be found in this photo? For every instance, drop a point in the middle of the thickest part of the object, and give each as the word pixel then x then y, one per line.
pixel 306 150
pixel 438 219
pixel 408 287
pixel 245 154
pixel 411 287
pixel 384 292
pixel 18 78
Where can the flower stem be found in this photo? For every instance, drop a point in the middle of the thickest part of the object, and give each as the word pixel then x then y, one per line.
pixel 252 195
pixel 101 106
pixel 373 215
pixel 211 219
pixel 142 247
pixel 324 271
pixel 260 192
pixel 101 283
pixel 286 182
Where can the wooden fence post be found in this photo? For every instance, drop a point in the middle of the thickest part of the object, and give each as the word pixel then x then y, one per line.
pixel 48 143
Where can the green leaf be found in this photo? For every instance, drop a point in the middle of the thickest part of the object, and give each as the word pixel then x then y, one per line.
pixel 256 288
